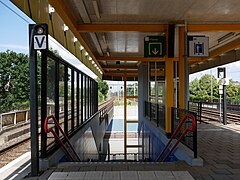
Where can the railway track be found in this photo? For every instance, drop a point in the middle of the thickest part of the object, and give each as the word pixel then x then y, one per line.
pixel 14 151
pixel 213 115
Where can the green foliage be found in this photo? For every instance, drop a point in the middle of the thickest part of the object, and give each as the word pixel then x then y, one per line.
pixel 102 87
pixel 201 89
pixel 232 90
pixel 100 97
pixel 14 81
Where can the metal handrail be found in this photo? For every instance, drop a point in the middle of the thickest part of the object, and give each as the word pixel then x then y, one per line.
pixel 74 157
pixel 194 125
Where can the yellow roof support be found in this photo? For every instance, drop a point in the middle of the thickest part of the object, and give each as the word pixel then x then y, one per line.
pixel 214 27
pixel 121 27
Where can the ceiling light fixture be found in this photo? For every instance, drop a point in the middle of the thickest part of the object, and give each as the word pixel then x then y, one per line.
pixel 86 53
pixel 50 9
pixel 90 58
pixel 75 39
pixel 81 47
pixel 65 28
pixel 96 9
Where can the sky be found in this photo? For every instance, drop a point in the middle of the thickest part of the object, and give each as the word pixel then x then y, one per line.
pixel 14 36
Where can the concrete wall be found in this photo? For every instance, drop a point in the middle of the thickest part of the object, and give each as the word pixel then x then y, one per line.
pixel 142 89
pixel 142 97
pixel 86 142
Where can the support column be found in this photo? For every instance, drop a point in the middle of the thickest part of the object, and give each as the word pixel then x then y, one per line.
pixel 169 75
pixel 181 69
pixel 169 93
pixel 125 118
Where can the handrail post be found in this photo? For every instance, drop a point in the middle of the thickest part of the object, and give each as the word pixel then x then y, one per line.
pixel 157 109
pixel 58 138
pixel 200 113
pixel 195 139
pixel 194 123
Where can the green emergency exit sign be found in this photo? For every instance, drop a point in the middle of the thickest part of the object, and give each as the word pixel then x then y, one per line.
pixel 154 46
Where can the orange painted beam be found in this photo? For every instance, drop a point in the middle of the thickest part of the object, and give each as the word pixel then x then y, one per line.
pixel 122 74
pixel 181 69
pixel 121 27
pixel 144 59
pixel 214 27
pixel 228 47
pixel 119 67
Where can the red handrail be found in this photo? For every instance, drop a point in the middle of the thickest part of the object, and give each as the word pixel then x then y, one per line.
pixel 74 157
pixel 194 125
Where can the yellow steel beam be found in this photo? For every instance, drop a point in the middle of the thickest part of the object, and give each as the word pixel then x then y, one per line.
pixel 228 47
pixel 132 121
pixel 181 69
pixel 142 59
pixel 123 71
pixel 119 67
pixel 134 146
pixel 122 74
pixel 214 27
pixel 169 75
pixel 131 97
pixel 121 27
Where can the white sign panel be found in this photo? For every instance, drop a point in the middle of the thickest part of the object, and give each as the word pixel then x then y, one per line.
pixel 220 91
pixel 198 46
pixel 225 81
pixel 40 42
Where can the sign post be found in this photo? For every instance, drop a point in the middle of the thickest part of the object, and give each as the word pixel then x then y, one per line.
pixel 37 41
pixel 221 72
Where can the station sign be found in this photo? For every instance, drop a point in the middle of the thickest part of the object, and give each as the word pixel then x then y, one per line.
pixel 198 46
pixel 221 72
pixel 154 46
pixel 40 42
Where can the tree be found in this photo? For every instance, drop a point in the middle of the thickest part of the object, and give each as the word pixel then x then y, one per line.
pixel 201 89
pixel 14 81
pixel 103 87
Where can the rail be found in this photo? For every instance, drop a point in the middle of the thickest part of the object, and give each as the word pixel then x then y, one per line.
pixel 47 130
pixel 156 113
pixel 179 128
pixel 207 111
pixel 104 108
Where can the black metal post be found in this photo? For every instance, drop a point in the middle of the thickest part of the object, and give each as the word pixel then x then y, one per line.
pixel 78 99
pixel 43 103
pixel 81 98
pixel 172 120
pixel 56 96
pixel 150 110
pixel 157 115
pixel 224 106
pixel 33 105
pixel 195 139
pixel 85 98
pixel 72 100
pixel 66 99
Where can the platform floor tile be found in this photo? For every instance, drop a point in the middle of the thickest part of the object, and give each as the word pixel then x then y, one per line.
pixel 119 175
